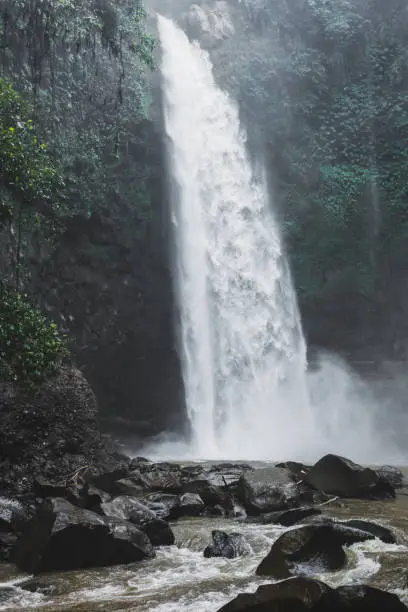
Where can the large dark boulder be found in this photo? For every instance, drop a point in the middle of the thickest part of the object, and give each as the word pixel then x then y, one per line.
pixel 52 432
pixel 294 595
pixel 63 537
pixel 310 546
pixel 287 518
pixel 229 545
pixel 361 598
pixel 374 529
pixel 306 595
pixel 340 476
pixel 131 509
pixel 267 489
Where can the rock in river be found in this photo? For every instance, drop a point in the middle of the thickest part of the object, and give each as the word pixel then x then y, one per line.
pixel 310 546
pixel 267 489
pixel 131 509
pixel 340 476
pixel 63 537
pixel 306 595
pixel 229 545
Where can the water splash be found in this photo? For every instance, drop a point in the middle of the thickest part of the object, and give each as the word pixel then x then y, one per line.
pixel 244 355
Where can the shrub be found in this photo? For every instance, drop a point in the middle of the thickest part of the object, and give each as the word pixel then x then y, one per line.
pixel 31 347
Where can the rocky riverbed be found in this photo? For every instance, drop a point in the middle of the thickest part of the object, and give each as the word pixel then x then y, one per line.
pixel 157 537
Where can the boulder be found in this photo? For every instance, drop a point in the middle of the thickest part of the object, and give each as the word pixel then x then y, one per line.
pixel 159 477
pixel 339 476
pixel 79 494
pixel 106 477
pixel 294 595
pixel 53 432
pixel 64 537
pixel 189 504
pixel 229 545
pixel 210 494
pixel 266 490
pixel 391 475
pixel 362 598
pixel 162 504
pixel 131 509
pixel 377 531
pixel 318 546
pixel 13 515
pixel 306 595
pixel 372 530
pixel 287 518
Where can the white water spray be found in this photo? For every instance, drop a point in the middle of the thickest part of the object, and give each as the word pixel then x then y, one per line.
pixel 244 355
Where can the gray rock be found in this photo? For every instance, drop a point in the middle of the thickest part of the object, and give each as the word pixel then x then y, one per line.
pixel 131 509
pixel 229 545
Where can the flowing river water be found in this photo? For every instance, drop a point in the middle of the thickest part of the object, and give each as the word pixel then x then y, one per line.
pixel 180 579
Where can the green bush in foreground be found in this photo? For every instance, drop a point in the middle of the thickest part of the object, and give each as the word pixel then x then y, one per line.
pixel 31 347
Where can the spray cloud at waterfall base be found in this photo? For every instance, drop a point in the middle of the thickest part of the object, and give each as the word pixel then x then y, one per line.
pixel 248 393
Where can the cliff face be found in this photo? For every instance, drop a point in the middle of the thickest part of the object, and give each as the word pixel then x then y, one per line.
pixel 86 68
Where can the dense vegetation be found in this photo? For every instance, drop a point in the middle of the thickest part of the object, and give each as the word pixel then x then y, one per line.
pixel 324 83
pixel 30 190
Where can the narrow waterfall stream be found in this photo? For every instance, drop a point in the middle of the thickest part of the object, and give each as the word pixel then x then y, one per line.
pixel 243 350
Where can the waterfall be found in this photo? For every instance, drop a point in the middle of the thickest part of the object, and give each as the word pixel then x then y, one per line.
pixel 243 350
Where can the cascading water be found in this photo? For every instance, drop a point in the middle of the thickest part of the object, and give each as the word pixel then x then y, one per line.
pixel 244 355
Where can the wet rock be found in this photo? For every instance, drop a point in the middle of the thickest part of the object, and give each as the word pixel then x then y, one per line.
pixel 13 515
pixel 339 476
pixel 361 598
pixel 132 510
pixel 162 504
pixel 287 518
pixel 64 537
pixel 37 586
pixel 377 531
pixel 127 486
pixel 160 477
pixel 266 490
pixel 52 432
pixel 137 462
pixel 298 470
pixel 7 543
pixel 85 496
pixel 210 494
pixel 391 475
pixel 189 504
pixel 107 478
pixel 212 511
pixel 318 546
pixel 229 545
pixel 295 595
pixel 306 595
